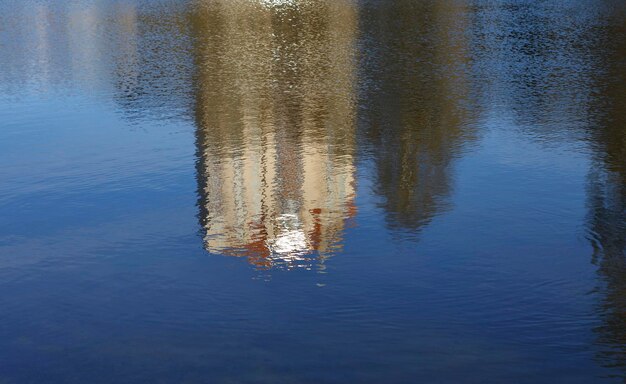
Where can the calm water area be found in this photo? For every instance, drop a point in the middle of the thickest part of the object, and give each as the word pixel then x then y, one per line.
pixel 312 191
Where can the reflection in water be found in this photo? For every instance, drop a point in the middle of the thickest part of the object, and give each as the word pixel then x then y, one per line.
pixel 564 81
pixel 153 70
pixel 284 97
pixel 276 131
pixel 59 47
pixel 540 74
pixel 414 88
pixel 103 48
pixel 607 194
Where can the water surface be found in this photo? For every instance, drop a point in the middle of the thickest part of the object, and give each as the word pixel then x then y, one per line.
pixel 312 191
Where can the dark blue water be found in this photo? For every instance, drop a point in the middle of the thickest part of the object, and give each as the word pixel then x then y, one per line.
pixel 312 191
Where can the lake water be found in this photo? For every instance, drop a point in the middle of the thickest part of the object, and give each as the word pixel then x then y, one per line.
pixel 312 191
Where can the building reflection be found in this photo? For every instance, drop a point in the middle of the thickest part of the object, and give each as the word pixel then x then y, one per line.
pixel 107 48
pixel 275 117
pixel 413 120
pixel 65 44
pixel 154 69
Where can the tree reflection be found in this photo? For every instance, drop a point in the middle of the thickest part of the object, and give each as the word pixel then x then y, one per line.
pixel 412 102
pixel 606 219
pixel 560 83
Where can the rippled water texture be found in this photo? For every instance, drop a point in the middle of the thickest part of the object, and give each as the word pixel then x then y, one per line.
pixel 312 191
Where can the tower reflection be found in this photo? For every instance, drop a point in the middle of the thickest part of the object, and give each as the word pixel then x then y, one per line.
pixel 276 128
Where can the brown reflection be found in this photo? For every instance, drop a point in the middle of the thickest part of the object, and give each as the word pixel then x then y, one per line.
pixel 276 127
pixel 414 89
